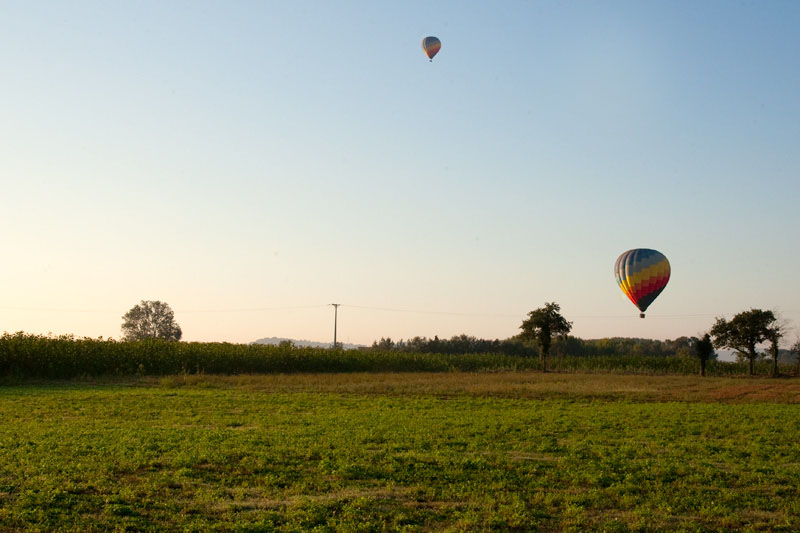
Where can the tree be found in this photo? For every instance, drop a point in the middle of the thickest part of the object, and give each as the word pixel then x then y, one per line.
pixel 796 349
pixel 744 332
pixel 683 347
pixel 150 320
pixel 704 350
pixel 773 335
pixel 542 325
pixel 385 345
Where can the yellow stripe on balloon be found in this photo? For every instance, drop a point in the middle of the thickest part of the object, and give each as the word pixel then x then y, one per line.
pixel 658 270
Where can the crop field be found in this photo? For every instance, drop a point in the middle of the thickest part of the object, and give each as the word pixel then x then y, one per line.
pixel 447 451
pixel 35 356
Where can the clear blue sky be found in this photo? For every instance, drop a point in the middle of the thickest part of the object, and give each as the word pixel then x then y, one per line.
pixel 251 162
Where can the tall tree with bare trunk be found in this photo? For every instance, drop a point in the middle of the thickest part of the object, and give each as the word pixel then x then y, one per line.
pixel 542 325
pixel 704 350
pixel 744 332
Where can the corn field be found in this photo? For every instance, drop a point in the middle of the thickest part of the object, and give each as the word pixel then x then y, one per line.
pixel 35 356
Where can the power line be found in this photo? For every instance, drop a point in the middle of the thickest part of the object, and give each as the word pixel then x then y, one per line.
pixel 417 311
pixel 374 308
pixel 55 310
pixel 519 315
pixel 228 310
pixel 251 309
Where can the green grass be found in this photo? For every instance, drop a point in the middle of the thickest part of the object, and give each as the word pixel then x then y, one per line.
pixel 414 452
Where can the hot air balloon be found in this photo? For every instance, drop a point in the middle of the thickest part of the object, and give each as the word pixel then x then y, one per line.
pixel 642 274
pixel 431 46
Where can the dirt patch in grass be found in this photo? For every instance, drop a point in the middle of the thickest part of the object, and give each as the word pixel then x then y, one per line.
pixel 776 391
pixel 253 501
pixel 523 456
pixel 520 384
pixel 530 385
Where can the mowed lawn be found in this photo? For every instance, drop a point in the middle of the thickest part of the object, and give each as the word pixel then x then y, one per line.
pixel 515 451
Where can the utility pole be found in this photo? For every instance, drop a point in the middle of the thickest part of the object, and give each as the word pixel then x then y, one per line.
pixel 335 319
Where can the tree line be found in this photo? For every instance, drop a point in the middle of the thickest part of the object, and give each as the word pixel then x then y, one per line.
pixel 567 346
pixel 544 332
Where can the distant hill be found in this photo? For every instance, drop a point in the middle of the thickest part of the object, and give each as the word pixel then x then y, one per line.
pixel 313 344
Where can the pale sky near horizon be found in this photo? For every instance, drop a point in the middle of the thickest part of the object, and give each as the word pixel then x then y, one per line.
pixel 250 163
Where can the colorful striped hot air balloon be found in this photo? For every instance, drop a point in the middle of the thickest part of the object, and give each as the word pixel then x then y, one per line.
pixel 642 274
pixel 431 46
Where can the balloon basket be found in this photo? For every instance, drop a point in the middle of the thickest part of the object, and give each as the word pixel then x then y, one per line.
pixel 641 315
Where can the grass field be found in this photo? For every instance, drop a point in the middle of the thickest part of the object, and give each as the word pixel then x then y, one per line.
pixel 513 451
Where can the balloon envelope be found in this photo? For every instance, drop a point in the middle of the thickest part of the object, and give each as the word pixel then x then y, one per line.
pixel 642 274
pixel 431 46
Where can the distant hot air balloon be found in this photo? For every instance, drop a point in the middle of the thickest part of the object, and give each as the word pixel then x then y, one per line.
pixel 642 274
pixel 431 46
